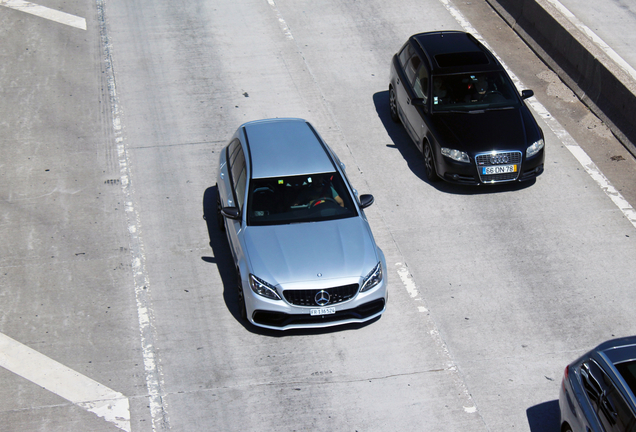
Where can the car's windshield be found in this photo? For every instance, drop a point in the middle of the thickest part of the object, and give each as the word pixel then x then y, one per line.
pixel 305 198
pixel 473 91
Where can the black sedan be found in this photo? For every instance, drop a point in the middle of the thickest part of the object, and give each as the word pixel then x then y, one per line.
pixel 597 392
pixel 463 112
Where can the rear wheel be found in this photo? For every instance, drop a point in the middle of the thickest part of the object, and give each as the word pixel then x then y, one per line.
pixel 429 163
pixel 393 105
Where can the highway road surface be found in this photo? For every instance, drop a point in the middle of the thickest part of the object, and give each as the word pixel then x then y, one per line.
pixel 117 301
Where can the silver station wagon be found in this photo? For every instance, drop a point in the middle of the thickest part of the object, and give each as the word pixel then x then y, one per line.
pixel 304 252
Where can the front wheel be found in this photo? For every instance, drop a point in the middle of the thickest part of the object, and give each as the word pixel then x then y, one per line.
pixel 393 105
pixel 429 163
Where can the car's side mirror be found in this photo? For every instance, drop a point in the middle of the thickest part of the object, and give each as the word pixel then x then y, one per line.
pixel 420 102
pixel 231 213
pixel 525 94
pixel 366 200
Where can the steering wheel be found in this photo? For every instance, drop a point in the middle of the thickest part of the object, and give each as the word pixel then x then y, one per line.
pixel 321 201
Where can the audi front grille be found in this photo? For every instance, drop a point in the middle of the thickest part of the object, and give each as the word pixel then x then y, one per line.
pixel 498 167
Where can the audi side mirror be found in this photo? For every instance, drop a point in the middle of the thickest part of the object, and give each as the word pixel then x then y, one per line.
pixel 525 94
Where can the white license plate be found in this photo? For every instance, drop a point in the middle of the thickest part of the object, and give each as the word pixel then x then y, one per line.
pixel 322 311
pixel 499 169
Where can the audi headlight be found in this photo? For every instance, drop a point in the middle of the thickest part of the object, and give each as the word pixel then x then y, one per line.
pixel 534 148
pixel 457 155
pixel 262 288
pixel 372 279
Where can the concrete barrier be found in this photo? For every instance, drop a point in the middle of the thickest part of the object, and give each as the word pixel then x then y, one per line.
pixel 598 81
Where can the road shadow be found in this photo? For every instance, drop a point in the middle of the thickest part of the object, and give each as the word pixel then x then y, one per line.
pixel 544 417
pixel 415 161
pixel 222 257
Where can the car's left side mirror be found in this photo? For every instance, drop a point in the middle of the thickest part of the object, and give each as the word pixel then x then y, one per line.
pixel 231 212
pixel 366 200
pixel 525 94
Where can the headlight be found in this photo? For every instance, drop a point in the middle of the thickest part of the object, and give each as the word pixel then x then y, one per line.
pixel 534 148
pixel 457 155
pixel 262 288
pixel 372 279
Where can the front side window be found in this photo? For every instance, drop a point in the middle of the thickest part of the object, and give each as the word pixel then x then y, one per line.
pixel 465 92
pixel 420 85
pixel 405 55
pixel 305 198
pixel 411 68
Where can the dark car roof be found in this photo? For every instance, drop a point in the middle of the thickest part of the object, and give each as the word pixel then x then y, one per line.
pixel 619 350
pixel 455 52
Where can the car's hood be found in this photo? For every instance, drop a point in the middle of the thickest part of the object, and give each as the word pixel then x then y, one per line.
pixel 281 254
pixel 482 131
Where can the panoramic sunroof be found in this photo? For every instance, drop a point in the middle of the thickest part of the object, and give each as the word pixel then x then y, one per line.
pixel 461 59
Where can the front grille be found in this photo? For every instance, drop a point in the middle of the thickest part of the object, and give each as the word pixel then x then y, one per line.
pixel 308 297
pixel 279 319
pixel 498 159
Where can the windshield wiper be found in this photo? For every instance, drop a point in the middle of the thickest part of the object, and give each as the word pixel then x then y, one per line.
pixel 500 108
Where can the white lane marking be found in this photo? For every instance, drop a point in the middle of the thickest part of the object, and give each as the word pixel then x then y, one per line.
pixel 46 13
pixel 554 125
pixel 153 372
pixel 594 38
pixel 409 284
pixel 65 382
pixel 407 280
pixel 281 20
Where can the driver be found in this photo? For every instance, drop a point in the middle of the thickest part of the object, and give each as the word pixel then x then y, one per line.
pixel 477 89
pixel 317 190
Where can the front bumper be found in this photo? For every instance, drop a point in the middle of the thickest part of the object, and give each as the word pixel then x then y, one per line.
pixel 464 173
pixel 281 315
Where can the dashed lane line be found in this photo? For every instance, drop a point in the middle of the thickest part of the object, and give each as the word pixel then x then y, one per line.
pixel 46 13
pixel 82 391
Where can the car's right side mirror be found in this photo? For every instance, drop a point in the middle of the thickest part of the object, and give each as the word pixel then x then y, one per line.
pixel 525 94
pixel 366 200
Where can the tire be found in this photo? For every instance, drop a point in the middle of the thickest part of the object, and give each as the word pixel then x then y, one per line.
pixel 429 163
pixel 220 222
pixel 393 106
pixel 241 297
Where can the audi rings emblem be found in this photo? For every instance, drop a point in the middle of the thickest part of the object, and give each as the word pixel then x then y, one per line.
pixel 322 298
pixel 497 159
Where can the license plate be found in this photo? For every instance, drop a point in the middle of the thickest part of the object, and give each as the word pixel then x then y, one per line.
pixel 499 169
pixel 322 311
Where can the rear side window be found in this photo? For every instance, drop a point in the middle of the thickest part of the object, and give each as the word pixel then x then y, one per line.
pixel 611 409
pixel 238 171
